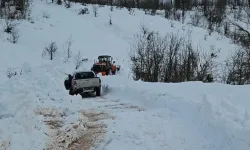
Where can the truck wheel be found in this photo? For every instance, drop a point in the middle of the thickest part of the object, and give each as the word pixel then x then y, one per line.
pixel 107 72
pixel 71 92
pixel 66 84
pixel 98 91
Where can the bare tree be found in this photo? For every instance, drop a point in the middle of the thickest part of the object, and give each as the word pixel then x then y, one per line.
pixel 170 58
pixel 243 34
pixel 196 19
pixel 238 66
pixel 68 45
pixel 110 20
pixel 147 54
pixel 205 65
pixel 59 2
pixel 95 10
pixel 144 29
pixel 14 9
pixel 67 3
pixel 79 60
pixel 50 50
pixel 177 4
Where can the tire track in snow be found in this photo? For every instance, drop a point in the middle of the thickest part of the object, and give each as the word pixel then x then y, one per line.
pixel 95 131
pixel 87 132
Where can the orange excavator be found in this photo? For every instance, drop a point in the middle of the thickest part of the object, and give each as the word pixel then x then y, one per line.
pixel 105 65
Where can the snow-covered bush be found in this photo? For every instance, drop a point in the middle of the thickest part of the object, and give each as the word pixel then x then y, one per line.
pixel 9 25
pixel 46 15
pixel 14 36
pixel 83 11
pixel 11 72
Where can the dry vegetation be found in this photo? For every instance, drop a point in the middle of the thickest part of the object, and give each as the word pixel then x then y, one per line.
pixel 171 58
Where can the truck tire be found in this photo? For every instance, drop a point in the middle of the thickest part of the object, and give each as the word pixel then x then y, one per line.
pixel 67 84
pixel 107 72
pixel 71 92
pixel 98 91
pixel 114 72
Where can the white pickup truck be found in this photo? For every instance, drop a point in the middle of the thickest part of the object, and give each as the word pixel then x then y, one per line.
pixel 84 82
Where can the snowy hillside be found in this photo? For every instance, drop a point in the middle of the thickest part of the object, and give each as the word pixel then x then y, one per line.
pixel 36 112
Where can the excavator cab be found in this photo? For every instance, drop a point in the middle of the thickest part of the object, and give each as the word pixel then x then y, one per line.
pixel 105 58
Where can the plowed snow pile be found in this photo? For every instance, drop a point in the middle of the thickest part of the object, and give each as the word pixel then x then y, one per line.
pixel 36 112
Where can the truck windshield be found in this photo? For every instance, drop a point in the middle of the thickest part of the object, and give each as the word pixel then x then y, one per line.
pixel 84 75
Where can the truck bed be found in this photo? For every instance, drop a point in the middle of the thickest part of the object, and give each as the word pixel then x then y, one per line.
pixel 91 82
pixel 86 81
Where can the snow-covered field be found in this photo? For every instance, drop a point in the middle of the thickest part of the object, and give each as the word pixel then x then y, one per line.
pixel 36 111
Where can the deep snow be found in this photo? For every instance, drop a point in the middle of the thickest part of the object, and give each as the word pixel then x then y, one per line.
pixel 151 116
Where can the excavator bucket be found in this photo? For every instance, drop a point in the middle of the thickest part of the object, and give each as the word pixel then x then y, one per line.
pixel 102 73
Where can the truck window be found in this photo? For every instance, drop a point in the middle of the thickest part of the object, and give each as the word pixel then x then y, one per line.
pixel 84 75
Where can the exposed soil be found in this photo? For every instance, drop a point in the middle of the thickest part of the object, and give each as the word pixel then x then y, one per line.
pixel 84 134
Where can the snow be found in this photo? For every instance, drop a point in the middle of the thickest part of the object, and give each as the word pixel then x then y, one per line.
pixel 147 116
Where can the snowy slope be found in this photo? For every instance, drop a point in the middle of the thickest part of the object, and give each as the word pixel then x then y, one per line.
pixel 182 116
pixel 36 111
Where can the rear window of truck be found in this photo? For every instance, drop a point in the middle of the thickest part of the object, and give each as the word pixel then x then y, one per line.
pixel 84 75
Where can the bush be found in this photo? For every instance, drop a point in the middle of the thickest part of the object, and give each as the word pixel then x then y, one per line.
pixel 67 4
pixel 9 26
pixel 238 67
pixel 14 36
pixel 10 73
pixel 83 11
pixel 170 58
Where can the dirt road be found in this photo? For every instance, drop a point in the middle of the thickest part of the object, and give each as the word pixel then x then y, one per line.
pixel 87 132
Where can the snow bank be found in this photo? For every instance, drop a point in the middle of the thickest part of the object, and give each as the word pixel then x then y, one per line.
pixel 201 115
